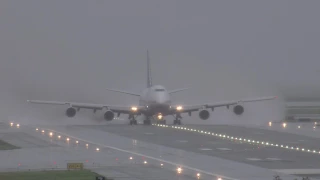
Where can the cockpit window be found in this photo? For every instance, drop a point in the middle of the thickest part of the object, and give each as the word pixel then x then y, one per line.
pixel 159 89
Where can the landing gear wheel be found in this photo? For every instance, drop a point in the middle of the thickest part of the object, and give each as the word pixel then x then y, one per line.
pixel 133 122
pixel 147 122
pixel 161 122
pixel 177 122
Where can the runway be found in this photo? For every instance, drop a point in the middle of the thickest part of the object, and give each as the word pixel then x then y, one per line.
pixel 208 150
pixel 40 151
pixel 265 156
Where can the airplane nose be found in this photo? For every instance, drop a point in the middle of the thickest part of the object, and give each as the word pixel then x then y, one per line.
pixel 162 100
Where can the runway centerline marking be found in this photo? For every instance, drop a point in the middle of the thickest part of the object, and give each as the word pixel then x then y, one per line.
pixel 146 156
pixel 258 133
pixel 254 159
pixel 149 133
pixel 224 149
pixel 274 159
pixel 183 141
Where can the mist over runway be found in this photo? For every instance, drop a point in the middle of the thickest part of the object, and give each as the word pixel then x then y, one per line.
pixel 221 52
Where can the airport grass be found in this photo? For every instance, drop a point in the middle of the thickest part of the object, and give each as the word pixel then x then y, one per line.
pixel 49 175
pixel 6 146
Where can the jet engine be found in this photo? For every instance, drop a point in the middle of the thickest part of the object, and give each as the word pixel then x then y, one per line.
pixel 238 109
pixel 71 112
pixel 108 115
pixel 204 114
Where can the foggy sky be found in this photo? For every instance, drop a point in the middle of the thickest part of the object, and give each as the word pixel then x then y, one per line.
pixel 224 50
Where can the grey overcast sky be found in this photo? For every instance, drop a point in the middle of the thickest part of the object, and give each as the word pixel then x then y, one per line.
pixel 224 49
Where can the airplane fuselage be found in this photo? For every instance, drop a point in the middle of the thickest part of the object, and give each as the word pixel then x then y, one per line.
pixel 156 100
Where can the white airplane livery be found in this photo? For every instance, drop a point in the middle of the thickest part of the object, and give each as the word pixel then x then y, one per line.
pixel 154 103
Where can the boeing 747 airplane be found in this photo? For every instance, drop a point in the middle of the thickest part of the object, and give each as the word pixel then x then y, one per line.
pixel 154 103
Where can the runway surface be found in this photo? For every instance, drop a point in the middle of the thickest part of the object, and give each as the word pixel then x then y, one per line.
pixel 208 150
pixel 265 156
pixel 40 151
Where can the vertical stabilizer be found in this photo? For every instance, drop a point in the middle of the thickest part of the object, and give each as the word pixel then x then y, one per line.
pixel 149 80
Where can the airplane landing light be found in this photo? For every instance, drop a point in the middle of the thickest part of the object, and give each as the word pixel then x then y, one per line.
pixel 284 125
pixel 179 108
pixel 198 175
pixel 179 170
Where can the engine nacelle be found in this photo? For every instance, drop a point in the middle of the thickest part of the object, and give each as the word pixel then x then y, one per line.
pixel 108 115
pixel 71 112
pixel 204 114
pixel 238 109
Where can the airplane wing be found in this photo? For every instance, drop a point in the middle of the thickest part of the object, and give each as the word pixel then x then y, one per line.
pixel 116 109
pixel 191 108
pixel 124 92
pixel 177 90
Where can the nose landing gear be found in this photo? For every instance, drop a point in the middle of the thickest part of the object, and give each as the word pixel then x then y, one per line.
pixel 147 121
pixel 162 121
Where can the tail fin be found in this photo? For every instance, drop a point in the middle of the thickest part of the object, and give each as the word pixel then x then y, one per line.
pixel 149 79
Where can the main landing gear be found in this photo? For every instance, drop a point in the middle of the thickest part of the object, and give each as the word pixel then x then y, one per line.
pixel 132 119
pixel 133 122
pixel 177 120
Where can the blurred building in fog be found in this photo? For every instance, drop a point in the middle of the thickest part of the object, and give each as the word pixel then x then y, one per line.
pixel 303 111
